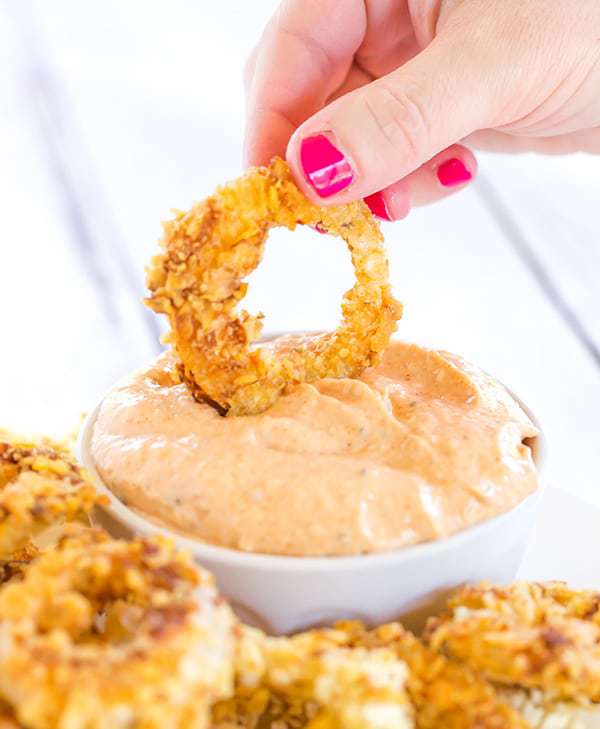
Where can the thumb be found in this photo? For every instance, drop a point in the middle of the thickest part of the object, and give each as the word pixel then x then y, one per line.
pixel 372 137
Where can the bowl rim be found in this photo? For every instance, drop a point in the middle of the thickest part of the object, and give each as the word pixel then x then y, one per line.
pixel 261 561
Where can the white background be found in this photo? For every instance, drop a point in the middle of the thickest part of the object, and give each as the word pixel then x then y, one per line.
pixel 113 112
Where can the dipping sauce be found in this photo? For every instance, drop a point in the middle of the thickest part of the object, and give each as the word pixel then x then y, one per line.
pixel 421 446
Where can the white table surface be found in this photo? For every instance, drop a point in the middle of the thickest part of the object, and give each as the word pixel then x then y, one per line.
pixel 111 113
pixel 565 543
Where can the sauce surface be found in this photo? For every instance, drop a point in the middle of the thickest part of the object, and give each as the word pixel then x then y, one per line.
pixel 420 447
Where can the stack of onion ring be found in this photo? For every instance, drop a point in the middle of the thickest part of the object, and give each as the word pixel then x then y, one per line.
pixel 106 633
pixel 197 281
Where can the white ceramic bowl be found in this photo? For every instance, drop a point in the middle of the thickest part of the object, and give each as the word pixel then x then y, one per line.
pixel 285 594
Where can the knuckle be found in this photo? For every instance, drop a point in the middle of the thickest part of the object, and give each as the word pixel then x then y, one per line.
pixel 315 52
pixel 402 119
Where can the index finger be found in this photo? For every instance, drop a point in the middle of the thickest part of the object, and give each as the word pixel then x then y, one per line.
pixel 304 55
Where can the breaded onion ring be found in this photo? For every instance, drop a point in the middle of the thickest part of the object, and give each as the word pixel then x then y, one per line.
pixel 443 693
pixel 105 633
pixel 41 486
pixel 535 636
pixel 198 281
pixel 312 679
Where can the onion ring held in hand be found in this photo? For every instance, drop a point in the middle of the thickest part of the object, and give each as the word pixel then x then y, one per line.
pixel 105 633
pixel 198 280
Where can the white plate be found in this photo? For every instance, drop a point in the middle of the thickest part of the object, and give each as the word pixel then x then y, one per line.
pixel 565 544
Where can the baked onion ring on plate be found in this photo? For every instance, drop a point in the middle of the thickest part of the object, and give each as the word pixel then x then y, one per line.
pixel 539 643
pixel 312 680
pixel 197 281
pixel 444 693
pixel 41 487
pixel 108 634
pixel 342 678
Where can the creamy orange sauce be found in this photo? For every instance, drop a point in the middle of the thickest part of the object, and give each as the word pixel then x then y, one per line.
pixel 418 448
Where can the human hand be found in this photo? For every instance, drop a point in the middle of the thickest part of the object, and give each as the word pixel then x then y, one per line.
pixel 369 98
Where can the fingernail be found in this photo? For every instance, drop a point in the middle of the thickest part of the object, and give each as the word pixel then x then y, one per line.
pixel 378 206
pixel 325 167
pixel 453 172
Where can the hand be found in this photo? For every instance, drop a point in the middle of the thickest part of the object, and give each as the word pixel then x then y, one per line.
pixel 369 98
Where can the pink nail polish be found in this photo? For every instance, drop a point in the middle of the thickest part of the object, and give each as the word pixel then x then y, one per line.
pixel 378 206
pixel 453 172
pixel 325 167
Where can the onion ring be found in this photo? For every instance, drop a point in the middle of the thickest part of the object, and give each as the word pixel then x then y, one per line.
pixel 532 635
pixel 198 280
pixel 312 679
pixel 41 486
pixel 442 693
pixel 107 633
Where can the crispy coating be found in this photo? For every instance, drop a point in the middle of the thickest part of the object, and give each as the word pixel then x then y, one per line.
pixel 443 694
pixel 197 281
pixel 533 635
pixel 14 564
pixel 312 679
pixel 543 712
pixel 8 719
pixel 109 634
pixel 41 487
pixel 263 708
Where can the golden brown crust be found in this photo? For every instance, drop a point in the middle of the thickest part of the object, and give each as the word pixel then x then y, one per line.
pixel 198 281
pixel 44 457
pixel 264 708
pixel 7 717
pixel 14 564
pixel 441 692
pixel 542 711
pixel 116 633
pixel 41 486
pixel 313 679
pixel 533 635
pixel 444 693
